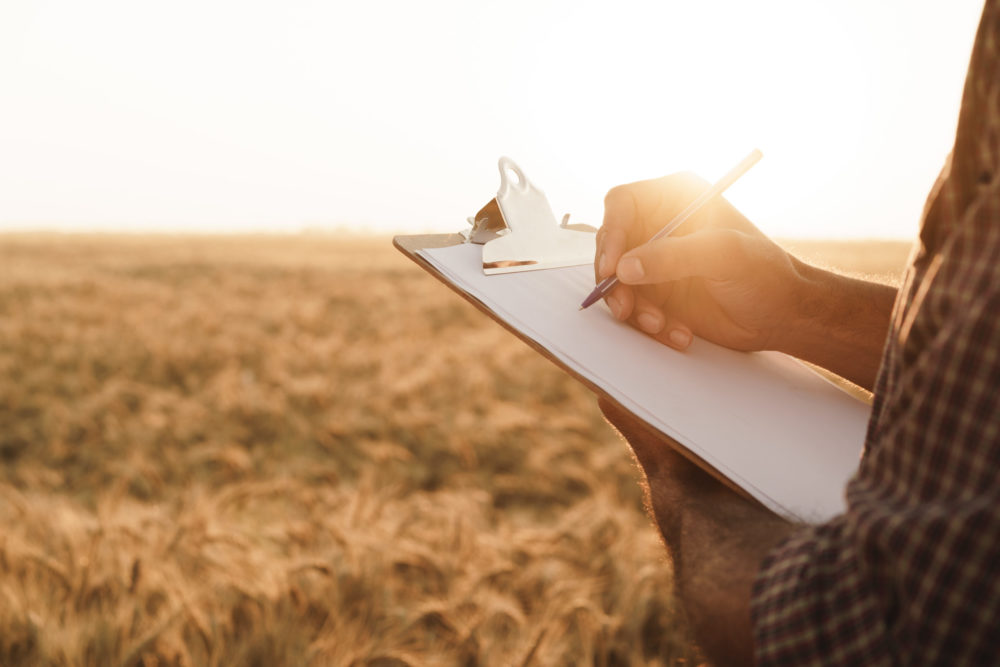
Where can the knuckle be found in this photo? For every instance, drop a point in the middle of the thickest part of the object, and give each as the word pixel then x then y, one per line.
pixel 617 194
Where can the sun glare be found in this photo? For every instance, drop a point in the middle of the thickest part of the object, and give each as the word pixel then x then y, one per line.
pixel 230 115
pixel 694 86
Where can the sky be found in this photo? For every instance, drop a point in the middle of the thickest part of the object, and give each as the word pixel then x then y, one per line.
pixel 389 115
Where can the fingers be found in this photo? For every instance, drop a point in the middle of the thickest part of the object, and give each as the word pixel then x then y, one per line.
pixel 678 337
pixel 634 212
pixel 630 212
pixel 713 254
pixel 623 420
pixel 626 304
pixel 621 301
pixel 651 319
pixel 620 221
pixel 611 243
pixel 654 450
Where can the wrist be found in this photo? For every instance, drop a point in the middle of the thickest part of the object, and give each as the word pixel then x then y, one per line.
pixel 838 322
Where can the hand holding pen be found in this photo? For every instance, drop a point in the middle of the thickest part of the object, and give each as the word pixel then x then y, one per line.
pixel 719 277
pixel 608 284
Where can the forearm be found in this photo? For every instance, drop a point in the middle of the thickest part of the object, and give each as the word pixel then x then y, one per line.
pixel 840 324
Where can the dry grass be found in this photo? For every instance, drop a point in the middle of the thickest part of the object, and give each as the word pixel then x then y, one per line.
pixel 292 451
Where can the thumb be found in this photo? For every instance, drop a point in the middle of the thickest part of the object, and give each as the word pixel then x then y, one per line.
pixel 713 253
pixel 653 449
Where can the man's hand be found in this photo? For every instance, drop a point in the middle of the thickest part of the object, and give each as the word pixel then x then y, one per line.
pixel 722 279
pixel 716 538
pixel 718 276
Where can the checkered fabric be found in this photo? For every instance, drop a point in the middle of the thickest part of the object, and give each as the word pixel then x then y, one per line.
pixel 910 574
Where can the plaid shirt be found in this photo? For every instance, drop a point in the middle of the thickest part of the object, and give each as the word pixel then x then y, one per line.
pixel 911 573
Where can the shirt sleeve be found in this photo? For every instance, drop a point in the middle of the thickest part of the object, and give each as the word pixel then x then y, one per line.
pixel 911 573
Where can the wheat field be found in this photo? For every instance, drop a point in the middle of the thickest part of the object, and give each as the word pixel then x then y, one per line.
pixel 304 450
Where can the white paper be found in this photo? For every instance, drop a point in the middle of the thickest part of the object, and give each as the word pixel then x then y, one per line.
pixel 764 420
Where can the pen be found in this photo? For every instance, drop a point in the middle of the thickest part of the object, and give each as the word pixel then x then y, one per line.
pixel 720 186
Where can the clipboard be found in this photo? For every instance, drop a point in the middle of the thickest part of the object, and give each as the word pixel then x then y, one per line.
pixel 762 423
pixel 412 244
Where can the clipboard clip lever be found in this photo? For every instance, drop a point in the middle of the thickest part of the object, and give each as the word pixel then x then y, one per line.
pixel 518 230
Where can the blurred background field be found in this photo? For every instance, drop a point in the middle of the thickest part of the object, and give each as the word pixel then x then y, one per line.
pixel 304 450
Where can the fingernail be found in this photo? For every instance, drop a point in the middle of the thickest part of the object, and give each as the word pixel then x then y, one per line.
pixel 630 270
pixel 680 338
pixel 616 307
pixel 650 323
pixel 602 265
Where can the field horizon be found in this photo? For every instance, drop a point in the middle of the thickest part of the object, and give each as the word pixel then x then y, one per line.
pixel 289 450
